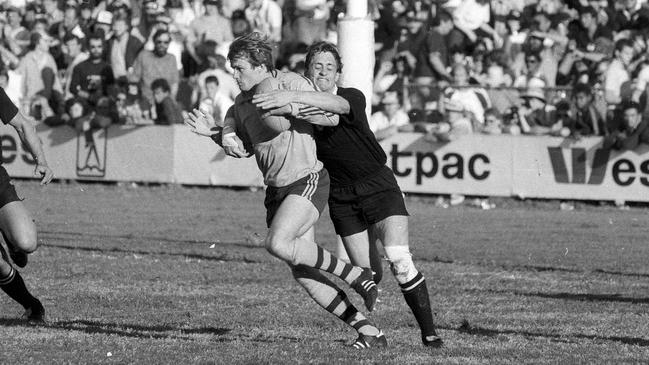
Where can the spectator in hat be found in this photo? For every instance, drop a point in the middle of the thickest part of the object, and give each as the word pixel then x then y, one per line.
pixel 156 64
pixel 123 47
pixel 536 116
pixel 390 119
pixel 634 131
pixel 40 74
pixel 103 24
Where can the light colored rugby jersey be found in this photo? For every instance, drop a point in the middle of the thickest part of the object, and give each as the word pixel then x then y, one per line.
pixel 284 147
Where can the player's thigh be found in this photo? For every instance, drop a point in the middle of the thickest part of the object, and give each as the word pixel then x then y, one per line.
pixel 294 217
pixel 18 225
pixel 358 248
pixel 391 231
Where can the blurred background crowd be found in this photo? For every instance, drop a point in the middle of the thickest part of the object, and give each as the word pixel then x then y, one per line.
pixel 446 68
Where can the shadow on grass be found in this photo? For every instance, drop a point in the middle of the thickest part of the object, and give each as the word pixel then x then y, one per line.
pixel 146 238
pixel 480 331
pixel 223 257
pixel 125 330
pixel 577 297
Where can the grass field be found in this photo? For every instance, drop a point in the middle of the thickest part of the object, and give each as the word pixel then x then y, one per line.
pixel 169 275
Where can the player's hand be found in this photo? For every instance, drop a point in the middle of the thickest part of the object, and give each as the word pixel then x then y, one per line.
pixel 45 173
pixel 201 123
pixel 233 146
pixel 273 99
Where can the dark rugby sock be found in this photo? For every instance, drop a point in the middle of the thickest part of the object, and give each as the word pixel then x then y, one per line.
pixel 416 294
pixel 14 286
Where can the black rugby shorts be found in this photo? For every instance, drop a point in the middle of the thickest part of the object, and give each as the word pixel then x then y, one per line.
pixel 353 208
pixel 7 191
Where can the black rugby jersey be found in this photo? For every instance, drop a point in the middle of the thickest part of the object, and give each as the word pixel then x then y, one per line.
pixel 349 151
pixel 7 108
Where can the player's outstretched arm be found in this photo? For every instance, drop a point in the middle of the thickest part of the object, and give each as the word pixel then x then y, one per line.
pixel 204 125
pixel 325 101
pixel 28 136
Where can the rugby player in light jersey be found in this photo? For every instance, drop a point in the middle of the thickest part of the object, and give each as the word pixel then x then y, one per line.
pixel 17 226
pixel 298 185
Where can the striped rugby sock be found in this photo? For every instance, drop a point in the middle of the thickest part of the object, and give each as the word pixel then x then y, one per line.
pixel 14 286
pixel 415 292
pixel 310 254
pixel 332 299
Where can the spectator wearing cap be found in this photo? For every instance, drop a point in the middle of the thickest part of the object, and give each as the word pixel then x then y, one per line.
pixel 103 24
pixel 633 132
pixel 210 26
pixel 40 73
pixel 617 73
pixel 586 119
pixel 536 116
pixel 156 64
pixel 123 47
pixel 390 119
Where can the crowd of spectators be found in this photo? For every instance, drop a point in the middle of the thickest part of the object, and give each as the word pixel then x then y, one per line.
pixel 444 67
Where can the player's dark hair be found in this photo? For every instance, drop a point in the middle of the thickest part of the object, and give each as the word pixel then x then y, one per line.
pixel 253 48
pixel 160 84
pixel 323 47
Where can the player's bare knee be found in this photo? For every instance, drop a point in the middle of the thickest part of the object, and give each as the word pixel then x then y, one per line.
pixel 401 264
pixel 276 245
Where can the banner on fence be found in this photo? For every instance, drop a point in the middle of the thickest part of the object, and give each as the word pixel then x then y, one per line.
pixel 526 166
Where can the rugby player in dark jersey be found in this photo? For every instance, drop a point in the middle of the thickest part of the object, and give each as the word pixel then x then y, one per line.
pixel 365 202
pixel 17 226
